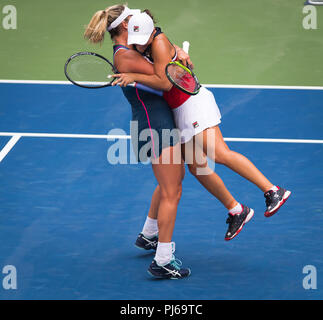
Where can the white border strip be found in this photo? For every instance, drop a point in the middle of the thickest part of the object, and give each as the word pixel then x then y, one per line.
pixel 127 137
pixel 273 140
pixel 15 136
pixel 10 144
pixel 315 3
pixel 65 135
pixel 206 85
pixel 241 86
pixel 35 81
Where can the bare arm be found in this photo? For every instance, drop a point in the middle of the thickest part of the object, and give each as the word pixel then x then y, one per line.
pixel 161 51
pixel 132 61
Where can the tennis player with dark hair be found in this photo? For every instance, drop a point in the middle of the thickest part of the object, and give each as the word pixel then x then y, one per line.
pixel 152 113
pixel 206 138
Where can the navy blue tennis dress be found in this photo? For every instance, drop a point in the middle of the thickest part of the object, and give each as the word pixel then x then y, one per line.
pixel 156 126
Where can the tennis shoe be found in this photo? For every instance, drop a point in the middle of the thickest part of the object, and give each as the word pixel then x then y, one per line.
pixel 146 243
pixel 172 270
pixel 237 221
pixel 275 199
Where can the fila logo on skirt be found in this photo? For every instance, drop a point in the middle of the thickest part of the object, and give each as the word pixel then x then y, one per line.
pixel 195 124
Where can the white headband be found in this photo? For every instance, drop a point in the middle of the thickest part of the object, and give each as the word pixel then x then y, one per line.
pixel 126 12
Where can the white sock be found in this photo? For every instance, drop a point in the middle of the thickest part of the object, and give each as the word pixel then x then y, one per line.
pixel 150 228
pixel 273 188
pixel 164 252
pixel 235 210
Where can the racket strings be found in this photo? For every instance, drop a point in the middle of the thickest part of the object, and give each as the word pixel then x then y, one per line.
pixel 89 69
pixel 182 78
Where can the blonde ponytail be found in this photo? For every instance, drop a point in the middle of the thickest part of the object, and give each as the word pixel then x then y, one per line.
pixel 97 27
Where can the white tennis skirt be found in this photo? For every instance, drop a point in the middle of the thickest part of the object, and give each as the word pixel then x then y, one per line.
pixel 196 114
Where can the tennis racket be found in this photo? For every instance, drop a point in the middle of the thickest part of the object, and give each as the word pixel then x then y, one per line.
pixel 89 70
pixel 92 71
pixel 182 76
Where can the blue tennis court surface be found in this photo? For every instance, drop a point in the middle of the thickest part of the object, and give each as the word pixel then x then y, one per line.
pixel 69 218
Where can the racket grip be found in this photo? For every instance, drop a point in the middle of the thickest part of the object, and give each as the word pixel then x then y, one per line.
pixel 186 46
pixel 148 89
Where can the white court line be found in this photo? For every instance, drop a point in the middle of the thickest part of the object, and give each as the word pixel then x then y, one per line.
pixel 113 137
pixel 35 81
pixel 273 140
pixel 65 135
pixel 241 86
pixel 206 85
pixel 15 136
pixel 10 144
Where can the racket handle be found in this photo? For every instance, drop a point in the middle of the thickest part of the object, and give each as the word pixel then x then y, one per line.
pixel 186 46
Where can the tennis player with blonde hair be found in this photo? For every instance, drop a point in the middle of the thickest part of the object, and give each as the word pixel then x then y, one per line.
pixel 151 113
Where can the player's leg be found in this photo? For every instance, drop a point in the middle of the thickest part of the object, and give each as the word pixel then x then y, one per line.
pixel 169 178
pixel 148 237
pixel 219 152
pixel 169 174
pixel 213 144
pixel 197 163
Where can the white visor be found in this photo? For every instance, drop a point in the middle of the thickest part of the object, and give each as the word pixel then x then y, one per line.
pixel 140 28
pixel 125 13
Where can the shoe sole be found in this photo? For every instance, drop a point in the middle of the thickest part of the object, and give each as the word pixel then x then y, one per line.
pixel 280 203
pixel 144 249
pixel 168 278
pixel 248 218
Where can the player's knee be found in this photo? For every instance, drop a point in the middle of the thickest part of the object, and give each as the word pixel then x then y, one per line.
pixel 194 168
pixel 172 194
pixel 221 156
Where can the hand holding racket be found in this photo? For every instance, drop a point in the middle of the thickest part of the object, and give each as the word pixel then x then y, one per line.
pixel 122 79
pixel 183 56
